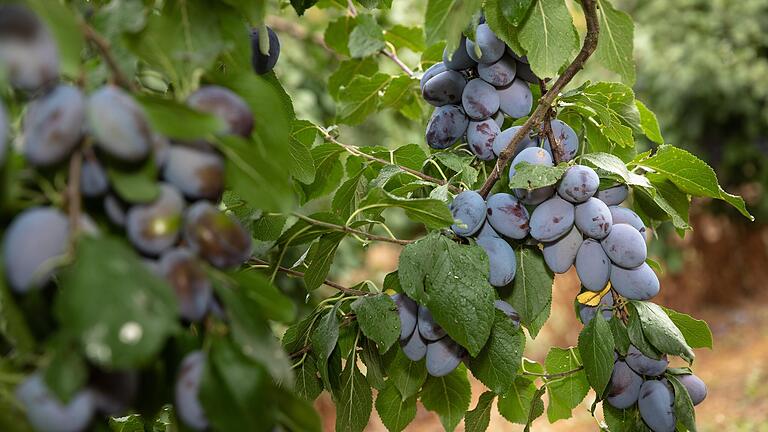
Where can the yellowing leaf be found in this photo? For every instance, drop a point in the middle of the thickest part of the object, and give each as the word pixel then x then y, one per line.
pixel 591 298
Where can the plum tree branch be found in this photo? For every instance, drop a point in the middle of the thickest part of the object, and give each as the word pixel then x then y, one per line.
pixel 350 230
pixel 332 284
pixel 104 48
pixel 356 152
pixel 545 102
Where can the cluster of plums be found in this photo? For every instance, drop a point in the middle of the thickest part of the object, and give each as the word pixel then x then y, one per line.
pixel 638 379
pixel 421 337
pixel 178 230
pixel 474 88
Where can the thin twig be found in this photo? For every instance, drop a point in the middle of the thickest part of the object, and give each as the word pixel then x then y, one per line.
pixel 356 152
pixel 350 230
pixel 556 375
pixel 342 288
pixel 545 102
pixel 104 48
pixel 74 201
pixel 558 153
pixel 392 56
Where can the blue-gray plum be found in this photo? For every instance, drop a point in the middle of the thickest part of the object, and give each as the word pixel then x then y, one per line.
pixel 468 208
pixel 613 195
pixel 534 156
pixel 640 283
pixel 593 266
pixel 53 126
pixel 415 348
pixel 516 99
pixel 28 52
pixel 624 387
pixel 459 59
pixel 115 209
pixel 35 239
pixel 430 73
pixel 480 99
pixel 263 63
pixel 501 257
pixel 186 275
pixel 498 118
pixel 487 231
pixel 4 132
pixel 645 365
pixel 505 137
pixel 447 125
pixel 623 215
pixel 508 310
pixel 696 388
pixel 566 136
pixel 561 254
pixel 521 59
pixel 216 236
pixel 524 72
pixel 578 184
pixel 500 73
pixel 225 104
pixel 197 174
pixel 443 356
pixel 508 216
pixel 154 227
pixel 428 328
pixel 187 389
pixel 587 313
pixel 93 179
pixel 118 124
pixel 407 310
pixel 625 246
pixel 656 404
pixel 46 413
pixel 114 392
pixel 480 138
pixel 490 47
pixel 594 218
pixel 552 219
pixel 444 88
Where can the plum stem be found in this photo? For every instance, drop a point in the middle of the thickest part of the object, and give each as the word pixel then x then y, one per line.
pixel 545 102
pixel 299 274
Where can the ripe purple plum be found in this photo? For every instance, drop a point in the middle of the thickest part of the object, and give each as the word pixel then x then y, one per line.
pixel 500 73
pixel 459 59
pixel 187 403
pixel 516 99
pixel 487 47
pixel 645 365
pixel 194 292
pixel 501 256
pixel 509 311
pixel 428 328
pixel 552 219
pixel 480 138
pixel 225 104
pixel 118 124
pixel 508 216
pixel 430 73
pixel 566 136
pixel 696 388
pixel 505 137
pixel 561 254
pixel 264 63
pixel 613 195
pixel 593 266
pixel 197 174
pixel 216 236
pixel 534 156
pixel 445 88
pixel 593 218
pixel 415 348
pixel 499 119
pixel 46 413
pixel 468 208
pixel 624 387
pixel 640 283
pixel 448 124
pixel 625 246
pixel 480 99
pixel 623 215
pixel 656 404
pixel 578 184
pixel 28 52
pixel 443 357
pixel 115 209
pixel 408 310
pixel 154 227
pixel 93 179
pixel 525 72
pixel 53 126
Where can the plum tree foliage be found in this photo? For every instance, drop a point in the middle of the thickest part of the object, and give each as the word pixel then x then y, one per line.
pixel 168 221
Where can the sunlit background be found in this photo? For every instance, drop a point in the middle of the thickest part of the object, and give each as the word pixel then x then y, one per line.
pixel 702 66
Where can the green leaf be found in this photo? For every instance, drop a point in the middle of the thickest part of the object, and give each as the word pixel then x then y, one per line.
pixel 253 10
pixel 406 37
pixel 516 10
pixel 234 391
pixel 684 412
pixel 627 420
pixel 354 404
pixel 649 123
pixel 67 372
pixel 609 163
pixel 497 364
pixel 451 280
pixel 321 256
pixel 661 332
pixel 691 175
pixel 307 384
pixel 664 201
pixel 374 363
pixel 65 28
pixel 361 97
pixel 530 176
pixel 504 29
pixel 367 37
pixel 137 185
pixel 264 296
pixel 378 319
pixel 400 92
pixel 114 305
pixel 637 337
pixel 323 340
pixel 346 197
pixel 565 393
pixel 408 376
pixel 596 349
pixel 615 44
pixel 178 121
pixel 301 6
pixel 620 336
pixel 549 37
pixel 432 213
pixel 395 412
pixel 696 332
pixel 532 287
pixel 294 413
pixel 337 34
pixel 13 325
pixel 448 396
pixel 347 71
pixel 479 418
pixel 303 135
pixel 516 404
pixel 446 19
